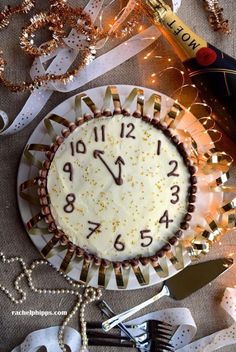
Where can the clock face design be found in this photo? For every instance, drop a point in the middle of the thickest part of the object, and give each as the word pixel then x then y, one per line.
pixel 118 187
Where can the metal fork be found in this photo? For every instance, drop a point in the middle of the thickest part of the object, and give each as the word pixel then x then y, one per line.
pixel 104 339
pixel 154 335
pixel 158 334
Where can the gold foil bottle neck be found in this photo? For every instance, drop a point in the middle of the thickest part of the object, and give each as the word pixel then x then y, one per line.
pixel 156 8
pixel 184 41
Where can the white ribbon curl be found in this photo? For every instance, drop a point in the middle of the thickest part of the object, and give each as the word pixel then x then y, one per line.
pixel 221 338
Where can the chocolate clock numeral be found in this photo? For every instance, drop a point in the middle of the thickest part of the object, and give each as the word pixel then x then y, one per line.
pixel 173 173
pixel 165 219
pixel 122 132
pixel 95 229
pixel 69 168
pixel 175 194
pixel 69 207
pixel 96 135
pixel 158 147
pixel 132 127
pixel 79 148
pixel 72 147
pixel 146 237
pixel 129 133
pixel 118 245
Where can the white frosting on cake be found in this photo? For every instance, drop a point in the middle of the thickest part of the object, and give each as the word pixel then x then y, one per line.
pixel 122 211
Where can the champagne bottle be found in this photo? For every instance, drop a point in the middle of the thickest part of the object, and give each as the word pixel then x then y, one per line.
pixel 212 71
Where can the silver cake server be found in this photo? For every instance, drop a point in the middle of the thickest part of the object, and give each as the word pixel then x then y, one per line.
pixel 179 286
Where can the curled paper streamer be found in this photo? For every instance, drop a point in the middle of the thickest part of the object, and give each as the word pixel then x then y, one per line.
pixel 48 338
pixel 177 317
pixel 222 338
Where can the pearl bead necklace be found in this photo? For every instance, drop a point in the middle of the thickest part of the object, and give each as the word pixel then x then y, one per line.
pixel 89 295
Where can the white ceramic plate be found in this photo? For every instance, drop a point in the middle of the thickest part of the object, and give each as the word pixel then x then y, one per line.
pixel 206 201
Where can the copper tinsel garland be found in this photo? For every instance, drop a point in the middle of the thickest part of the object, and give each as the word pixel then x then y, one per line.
pixel 38 21
pixel 62 14
pixel 59 14
pixel 9 11
pixel 215 18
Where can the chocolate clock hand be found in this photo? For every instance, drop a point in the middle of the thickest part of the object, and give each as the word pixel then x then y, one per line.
pixel 119 161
